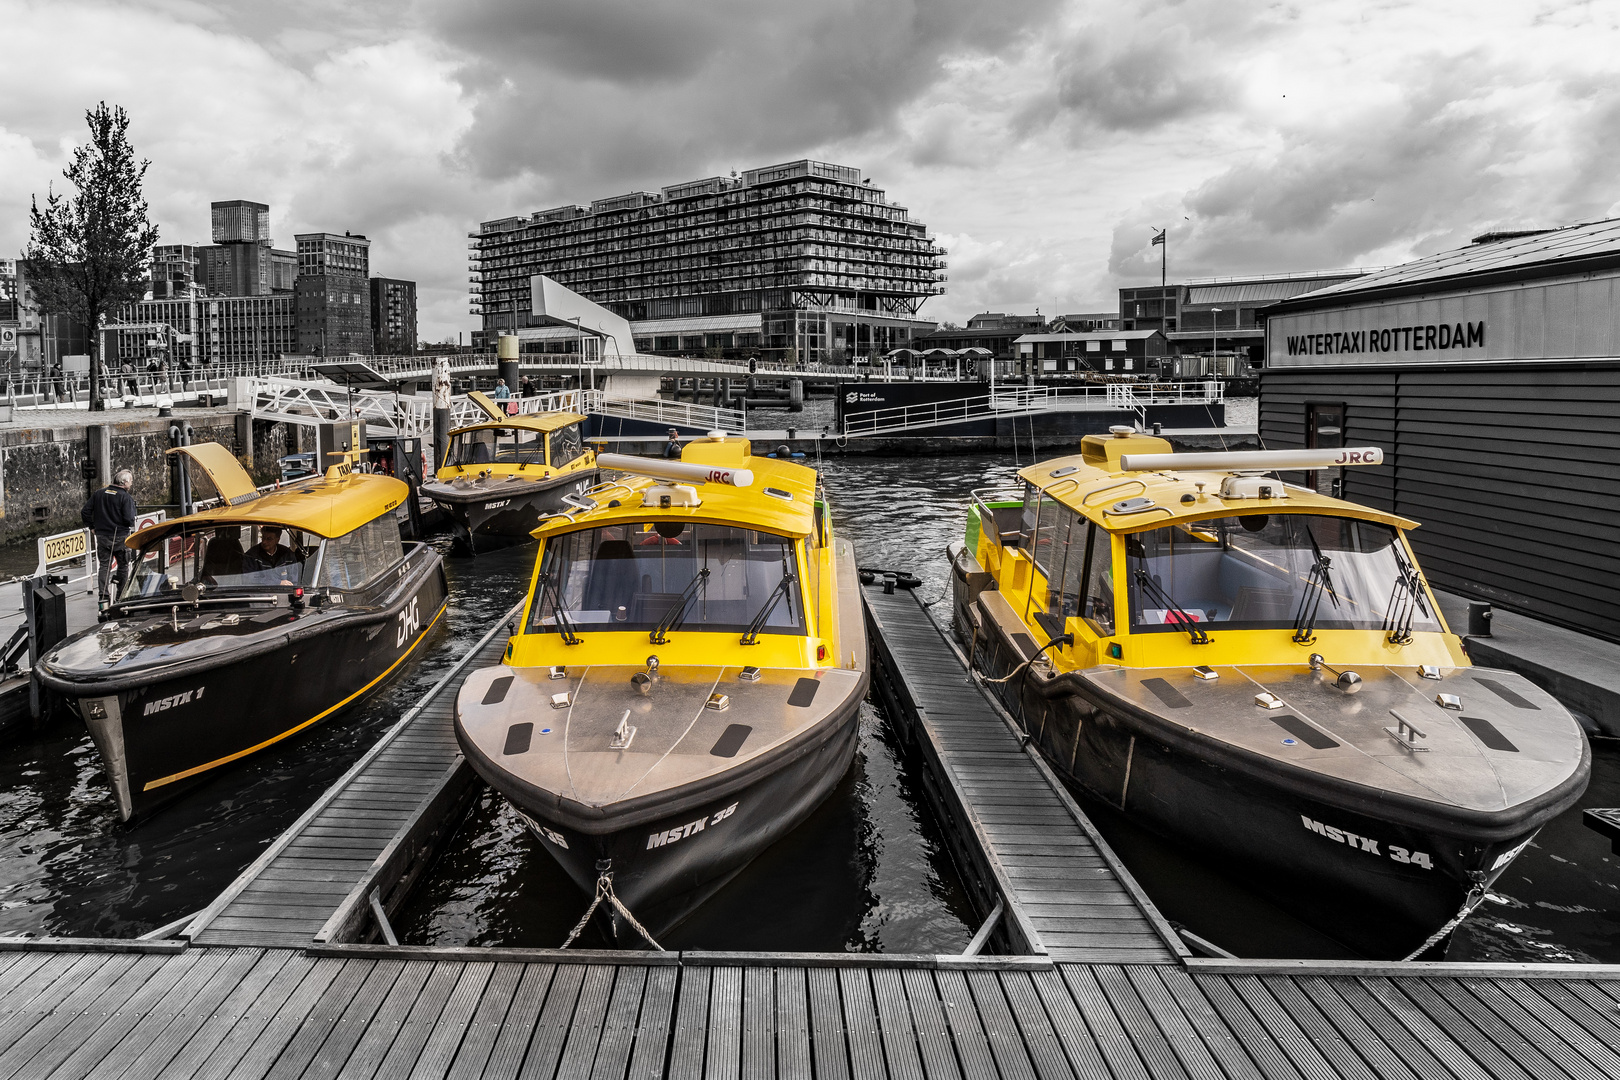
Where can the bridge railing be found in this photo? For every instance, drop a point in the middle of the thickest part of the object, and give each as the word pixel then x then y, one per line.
pixel 1016 401
pixel 674 413
pixel 385 413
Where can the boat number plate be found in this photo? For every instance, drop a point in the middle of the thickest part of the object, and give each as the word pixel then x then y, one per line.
pixel 691 828
pixel 497 505
pixel 410 621
pixel 1368 844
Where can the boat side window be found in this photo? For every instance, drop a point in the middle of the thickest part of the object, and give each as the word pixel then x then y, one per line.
pixel 359 557
pixel 1050 526
pixel 1066 561
pixel 472 448
pixel 223 558
pixel 566 445
pixel 1099 579
pixel 629 576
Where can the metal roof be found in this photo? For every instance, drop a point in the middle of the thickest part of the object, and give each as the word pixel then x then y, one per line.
pixel 1573 243
pixel 1239 293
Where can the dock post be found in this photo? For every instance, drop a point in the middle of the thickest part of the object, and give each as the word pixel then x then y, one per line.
pixel 506 366
pixel 441 412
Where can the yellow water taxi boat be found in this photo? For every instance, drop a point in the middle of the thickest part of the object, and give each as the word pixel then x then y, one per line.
pixel 246 623
pixel 1262 674
pixel 686 682
pixel 499 477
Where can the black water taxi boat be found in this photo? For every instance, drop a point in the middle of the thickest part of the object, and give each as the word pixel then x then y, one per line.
pixel 498 478
pixel 686 682
pixel 244 624
pixel 1261 674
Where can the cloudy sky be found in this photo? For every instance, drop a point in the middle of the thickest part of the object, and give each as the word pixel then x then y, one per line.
pixel 1041 140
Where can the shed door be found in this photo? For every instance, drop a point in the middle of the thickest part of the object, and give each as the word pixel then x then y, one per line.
pixel 1324 430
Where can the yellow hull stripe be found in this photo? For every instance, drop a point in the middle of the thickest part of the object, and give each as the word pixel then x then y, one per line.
pixel 295 730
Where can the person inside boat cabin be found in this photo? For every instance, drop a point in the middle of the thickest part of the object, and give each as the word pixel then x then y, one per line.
pixel 268 554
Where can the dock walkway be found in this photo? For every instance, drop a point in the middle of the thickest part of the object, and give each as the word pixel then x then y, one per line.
pixel 1056 874
pixel 318 870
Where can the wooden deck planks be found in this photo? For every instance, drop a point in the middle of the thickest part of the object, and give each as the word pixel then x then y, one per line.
pixel 1033 837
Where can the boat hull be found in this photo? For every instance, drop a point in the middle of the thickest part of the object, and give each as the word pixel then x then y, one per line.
pixel 162 733
pixel 1375 878
pixel 666 864
pixel 487 516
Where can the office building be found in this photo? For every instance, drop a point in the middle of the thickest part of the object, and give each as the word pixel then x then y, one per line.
pixel 205 330
pixel 1490 377
pixel 243 260
pixel 393 317
pixel 333 294
pixel 804 260
pixel 1218 316
pixel 175 272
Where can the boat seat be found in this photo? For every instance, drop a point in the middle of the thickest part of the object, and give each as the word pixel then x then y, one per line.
pixel 650 607
pixel 612 580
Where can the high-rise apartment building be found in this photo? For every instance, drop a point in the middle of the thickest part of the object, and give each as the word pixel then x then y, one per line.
pixel 175 272
pixel 393 316
pixel 243 260
pixel 804 260
pixel 333 294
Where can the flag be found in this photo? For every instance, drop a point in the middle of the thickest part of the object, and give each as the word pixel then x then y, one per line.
pixel 1158 237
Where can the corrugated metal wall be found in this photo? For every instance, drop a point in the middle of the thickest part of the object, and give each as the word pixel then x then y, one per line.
pixel 1513 471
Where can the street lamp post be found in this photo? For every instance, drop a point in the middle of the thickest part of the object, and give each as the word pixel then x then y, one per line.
pixel 1214 337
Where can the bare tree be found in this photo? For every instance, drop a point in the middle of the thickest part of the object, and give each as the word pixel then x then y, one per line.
pixel 89 253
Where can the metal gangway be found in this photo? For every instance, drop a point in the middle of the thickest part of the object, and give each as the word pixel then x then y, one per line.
pixel 1020 401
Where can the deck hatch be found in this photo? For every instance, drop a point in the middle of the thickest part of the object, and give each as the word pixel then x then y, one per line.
pixel 1166 693
pixel 1299 729
pixel 518 738
pixel 804 692
pixel 497 691
pixel 1512 697
pixel 1487 733
pixel 731 740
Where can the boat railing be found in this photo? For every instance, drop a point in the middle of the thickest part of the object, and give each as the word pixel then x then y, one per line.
pixel 984 497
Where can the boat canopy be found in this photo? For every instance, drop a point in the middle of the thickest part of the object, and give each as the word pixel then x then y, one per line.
pixel 324 507
pixel 781 499
pixel 1094 484
pixel 541 422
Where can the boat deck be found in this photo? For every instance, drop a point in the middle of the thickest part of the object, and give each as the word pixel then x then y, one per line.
pixel 1056 875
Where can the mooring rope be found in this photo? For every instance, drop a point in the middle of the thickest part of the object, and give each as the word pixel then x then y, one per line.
pixel 604 891
pixel 1476 895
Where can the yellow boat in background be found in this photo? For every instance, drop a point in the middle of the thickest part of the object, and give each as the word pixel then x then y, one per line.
pixel 498 478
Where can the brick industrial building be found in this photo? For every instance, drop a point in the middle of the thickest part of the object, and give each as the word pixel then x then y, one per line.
pixel 393 316
pixel 804 260
pixel 333 295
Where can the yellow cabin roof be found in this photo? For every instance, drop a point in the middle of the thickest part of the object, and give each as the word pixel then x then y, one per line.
pixel 750 507
pixel 324 507
pixel 546 422
pixel 1092 484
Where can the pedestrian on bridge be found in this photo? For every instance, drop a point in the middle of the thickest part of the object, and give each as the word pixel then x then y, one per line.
pixel 504 394
pixel 110 514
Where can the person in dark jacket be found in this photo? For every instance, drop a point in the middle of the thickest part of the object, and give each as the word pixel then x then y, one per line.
pixel 110 514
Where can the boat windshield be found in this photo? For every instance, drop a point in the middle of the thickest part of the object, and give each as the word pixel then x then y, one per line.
pixel 631 576
pixel 224 558
pixel 498 446
pixel 1255 571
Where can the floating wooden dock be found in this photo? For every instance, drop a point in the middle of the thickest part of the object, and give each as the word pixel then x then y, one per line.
pixel 300 1003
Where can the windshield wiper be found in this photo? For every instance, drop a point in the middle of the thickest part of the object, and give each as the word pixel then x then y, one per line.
pixel 782 588
pixel 1155 592
pixel 677 613
pixel 1310 601
pixel 1405 600
pixel 565 625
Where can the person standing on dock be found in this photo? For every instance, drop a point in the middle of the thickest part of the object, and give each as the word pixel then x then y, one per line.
pixel 110 513
pixel 672 448
pixel 503 394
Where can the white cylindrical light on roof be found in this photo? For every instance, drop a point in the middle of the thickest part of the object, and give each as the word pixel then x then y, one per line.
pixel 659 469
pixel 1264 460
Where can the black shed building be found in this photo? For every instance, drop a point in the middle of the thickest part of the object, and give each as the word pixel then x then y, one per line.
pixel 1490 375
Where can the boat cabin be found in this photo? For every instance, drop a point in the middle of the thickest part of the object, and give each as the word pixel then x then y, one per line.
pixel 538 444
pixel 1175 565
pixel 702 573
pixel 332 535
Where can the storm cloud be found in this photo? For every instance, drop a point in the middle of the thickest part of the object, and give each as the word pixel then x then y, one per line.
pixel 1042 140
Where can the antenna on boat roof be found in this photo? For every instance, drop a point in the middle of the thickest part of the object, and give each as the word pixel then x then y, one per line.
pixel 1259 460
pixel 658 469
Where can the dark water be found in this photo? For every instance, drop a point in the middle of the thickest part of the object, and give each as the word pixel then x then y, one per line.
pixel 867 872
